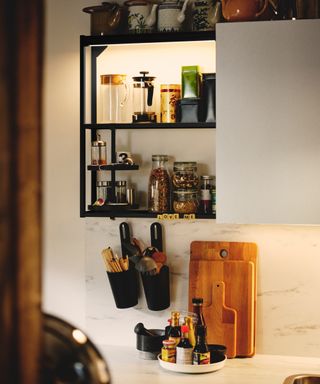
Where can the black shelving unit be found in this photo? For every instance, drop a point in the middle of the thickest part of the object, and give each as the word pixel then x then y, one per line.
pixel 97 44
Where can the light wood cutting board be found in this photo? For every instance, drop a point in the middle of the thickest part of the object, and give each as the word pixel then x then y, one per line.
pixel 237 270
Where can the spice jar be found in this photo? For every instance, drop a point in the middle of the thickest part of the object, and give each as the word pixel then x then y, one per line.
pixel 185 175
pixel 121 191
pixel 168 351
pixel 103 190
pixel 206 187
pixel 159 185
pixel 185 201
pixel 99 152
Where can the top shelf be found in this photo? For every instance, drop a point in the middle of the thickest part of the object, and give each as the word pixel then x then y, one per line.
pixel 164 37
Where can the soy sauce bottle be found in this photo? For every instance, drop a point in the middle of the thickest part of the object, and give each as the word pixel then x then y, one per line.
pixel 201 353
pixel 197 304
pixel 174 332
pixel 184 348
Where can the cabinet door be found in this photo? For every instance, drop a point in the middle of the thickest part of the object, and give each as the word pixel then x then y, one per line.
pixel 268 122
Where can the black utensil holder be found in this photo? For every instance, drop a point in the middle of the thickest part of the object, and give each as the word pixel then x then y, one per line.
pixel 124 286
pixel 157 289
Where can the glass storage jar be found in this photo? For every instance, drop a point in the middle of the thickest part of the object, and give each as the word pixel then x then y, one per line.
pixel 159 185
pixel 98 152
pixel 185 201
pixel 121 192
pixel 185 175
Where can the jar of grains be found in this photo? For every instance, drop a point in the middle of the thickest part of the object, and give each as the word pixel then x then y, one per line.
pixel 159 185
pixel 185 201
pixel 185 175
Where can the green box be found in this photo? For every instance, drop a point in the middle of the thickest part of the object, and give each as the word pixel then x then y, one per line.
pixel 190 81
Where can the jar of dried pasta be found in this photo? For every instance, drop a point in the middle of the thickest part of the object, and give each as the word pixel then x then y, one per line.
pixel 159 185
pixel 185 175
pixel 185 201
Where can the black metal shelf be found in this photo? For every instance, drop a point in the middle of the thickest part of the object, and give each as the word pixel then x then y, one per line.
pixel 113 167
pixel 151 126
pixel 126 211
pixel 164 37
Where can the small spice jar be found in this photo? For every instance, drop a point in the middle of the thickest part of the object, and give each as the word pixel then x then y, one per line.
pixel 185 175
pixel 99 152
pixel 168 351
pixel 185 201
pixel 102 190
pixel 121 191
pixel 206 187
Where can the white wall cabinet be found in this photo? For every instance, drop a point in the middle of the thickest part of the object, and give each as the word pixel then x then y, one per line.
pixel 268 122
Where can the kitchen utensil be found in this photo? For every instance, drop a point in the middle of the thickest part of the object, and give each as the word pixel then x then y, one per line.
pixel 114 95
pixel 125 237
pixel 238 10
pixel 169 16
pixel 222 319
pixel 105 19
pixel 148 341
pixel 139 11
pixel 143 100
pixel 147 265
pixel 140 329
pixel 234 264
pixel 156 236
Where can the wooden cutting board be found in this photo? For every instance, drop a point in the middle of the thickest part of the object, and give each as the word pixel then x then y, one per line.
pixel 223 320
pixel 234 264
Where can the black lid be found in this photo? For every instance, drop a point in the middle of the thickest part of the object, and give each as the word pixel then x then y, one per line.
pixel 208 76
pixel 197 300
pixel 143 77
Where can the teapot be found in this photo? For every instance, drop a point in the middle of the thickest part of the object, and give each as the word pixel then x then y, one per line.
pixel 142 16
pixel 105 19
pixel 240 10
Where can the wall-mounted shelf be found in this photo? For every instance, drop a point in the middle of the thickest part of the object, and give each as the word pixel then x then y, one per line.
pixel 151 126
pixel 113 167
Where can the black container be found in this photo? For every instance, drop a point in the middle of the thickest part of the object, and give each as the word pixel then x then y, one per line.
pixel 151 345
pixel 124 286
pixel 188 110
pixel 208 98
pixel 217 352
pixel 157 289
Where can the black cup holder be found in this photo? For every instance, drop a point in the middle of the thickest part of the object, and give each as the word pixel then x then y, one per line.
pixel 124 286
pixel 157 289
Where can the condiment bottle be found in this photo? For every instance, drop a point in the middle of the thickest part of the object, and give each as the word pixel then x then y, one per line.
pixel 175 331
pixel 184 348
pixel 192 337
pixel 197 303
pixel 201 353
pixel 168 351
pixel 206 186
pixel 167 329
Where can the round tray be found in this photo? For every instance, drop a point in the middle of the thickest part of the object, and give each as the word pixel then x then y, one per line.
pixel 186 368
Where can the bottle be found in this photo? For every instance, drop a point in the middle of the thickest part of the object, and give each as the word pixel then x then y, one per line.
pixel 206 186
pixel 167 329
pixel 197 303
pixel 159 190
pixel 168 351
pixel 175 331
pixel 192 337
pixel 184 348
pixel 201 353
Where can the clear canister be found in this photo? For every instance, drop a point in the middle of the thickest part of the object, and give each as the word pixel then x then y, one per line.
pixel 185 175
pixel 121 191
pixel 103 190
pixel 169 95
pixel 99 152
pixel 159 185
pixel 185 201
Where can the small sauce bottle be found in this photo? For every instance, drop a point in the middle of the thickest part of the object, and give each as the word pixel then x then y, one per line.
pixel 201 353
pixel 175 331
pixel 168 351
pixel 192 337
pixel 184 348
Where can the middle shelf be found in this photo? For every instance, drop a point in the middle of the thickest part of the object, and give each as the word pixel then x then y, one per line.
pixel 150 126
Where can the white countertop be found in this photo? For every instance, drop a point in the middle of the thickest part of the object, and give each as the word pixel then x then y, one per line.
pixel 127 368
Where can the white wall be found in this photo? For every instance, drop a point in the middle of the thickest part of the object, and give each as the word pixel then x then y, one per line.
pixel 289 264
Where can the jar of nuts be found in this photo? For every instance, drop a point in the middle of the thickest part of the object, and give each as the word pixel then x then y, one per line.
pixel 185 201
pixel 159 185
pixel 185 175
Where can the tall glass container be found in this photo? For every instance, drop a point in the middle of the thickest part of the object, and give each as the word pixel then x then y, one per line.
pixel 159 185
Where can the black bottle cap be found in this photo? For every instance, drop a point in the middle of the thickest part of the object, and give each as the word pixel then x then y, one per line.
pixel 197 300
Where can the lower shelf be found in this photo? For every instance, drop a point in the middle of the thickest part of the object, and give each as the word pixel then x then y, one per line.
pixel 134 211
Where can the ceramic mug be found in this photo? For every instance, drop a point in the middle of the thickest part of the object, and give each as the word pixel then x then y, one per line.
pixel 168 17
pixel 139 13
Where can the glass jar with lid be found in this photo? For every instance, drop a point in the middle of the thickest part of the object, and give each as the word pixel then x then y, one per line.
pixel 98 152
pixel 185 175
pixel 185 201
pixel 159 185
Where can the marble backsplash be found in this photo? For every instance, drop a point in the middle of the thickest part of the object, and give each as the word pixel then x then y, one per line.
pixel 288 316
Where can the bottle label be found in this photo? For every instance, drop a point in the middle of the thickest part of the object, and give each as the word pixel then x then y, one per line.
pixel 184 355
pixel 201 358
pixel 168 354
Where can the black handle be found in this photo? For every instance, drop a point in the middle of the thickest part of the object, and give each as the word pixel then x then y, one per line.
pixel 150 94
pixel 124 237
pixel 156 236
